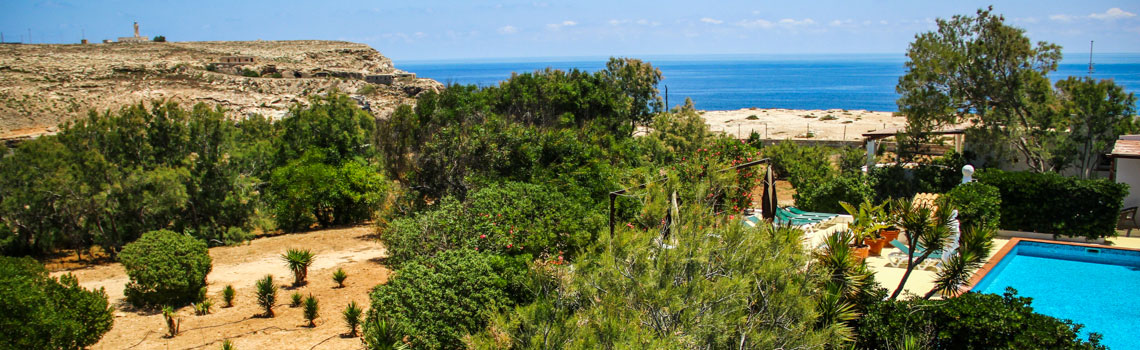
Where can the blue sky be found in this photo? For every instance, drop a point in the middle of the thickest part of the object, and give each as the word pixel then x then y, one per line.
pixel 441 30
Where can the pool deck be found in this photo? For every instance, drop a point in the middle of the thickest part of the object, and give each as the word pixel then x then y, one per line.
pixel 921 281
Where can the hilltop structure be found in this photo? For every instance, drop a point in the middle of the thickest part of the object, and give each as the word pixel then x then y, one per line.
pixel 134 39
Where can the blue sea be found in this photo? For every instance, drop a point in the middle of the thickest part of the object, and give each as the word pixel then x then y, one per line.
pixel 728 82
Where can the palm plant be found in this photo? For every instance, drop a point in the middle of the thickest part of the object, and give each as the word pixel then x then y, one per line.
pixel 267 294
pixel 228 294
pixel 976 243
pixel 846 280
pixel 311 309
pixel 203 308
pixel 227 345
pixel 295 299
pixel 339 276
pixel 924 228
pixel 867 219
pixel 379 334
pixel 298 261
pixel 352 317
pixel 172 322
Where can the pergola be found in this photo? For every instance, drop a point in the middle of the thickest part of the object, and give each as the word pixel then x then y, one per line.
pixel 871 139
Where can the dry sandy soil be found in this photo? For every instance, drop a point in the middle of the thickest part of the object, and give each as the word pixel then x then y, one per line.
pixel 775 123
pixel 355 249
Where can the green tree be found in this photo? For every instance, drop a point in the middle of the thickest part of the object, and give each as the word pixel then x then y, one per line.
pixel 1098 112
pixel 637 80
pixel 166 268
pixel 980 71
pixel 42 312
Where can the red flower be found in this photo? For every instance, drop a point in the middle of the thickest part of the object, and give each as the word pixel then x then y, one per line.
pixel 509 245
pixel 476 248
pixel 730 217
pixel 482 236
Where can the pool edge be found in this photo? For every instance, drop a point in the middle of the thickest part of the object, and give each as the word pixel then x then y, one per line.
pixel 994 260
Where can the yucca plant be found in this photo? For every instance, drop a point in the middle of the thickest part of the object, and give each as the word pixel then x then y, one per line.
pixel 295 299
pixel 311 309
pixel 228 294
pixel 352 317
pixel 298 261
pixel 203 308
pixel 339 276
pixel 172 322
pixel 227 345
pixel 267 294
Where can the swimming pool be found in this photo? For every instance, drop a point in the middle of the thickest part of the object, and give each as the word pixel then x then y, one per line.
pixel 1092 285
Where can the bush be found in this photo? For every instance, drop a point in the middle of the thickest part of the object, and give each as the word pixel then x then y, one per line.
pixel 203 307
pixel 1051 203
pixel 969 321
pixel 250 73
pixel 436 302
pixel 339 276
pixel 825 197
pixel 509 218
pixel 159 39
pixel 978 204
pixel 41 312
pixel 352 317
pixel 165 268
pixel 308 191
pixel 266 294
pixel 800 165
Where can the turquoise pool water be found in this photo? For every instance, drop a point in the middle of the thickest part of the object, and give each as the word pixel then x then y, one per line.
pixel 1099 287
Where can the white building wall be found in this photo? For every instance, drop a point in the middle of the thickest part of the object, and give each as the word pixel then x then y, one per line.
pixel 1128 172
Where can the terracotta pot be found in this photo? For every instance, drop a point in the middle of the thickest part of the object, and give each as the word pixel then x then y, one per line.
pixel 861 252
pixel 889 234
pixel 875 246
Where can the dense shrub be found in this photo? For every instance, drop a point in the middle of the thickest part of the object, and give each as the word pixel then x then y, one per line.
pixel 1051 203
pixel 970 321
pixel 41 312
pixel 165 268
pixel 800 165
pixel 439 300
pixel 509 218
pixel 978 204
pixel 824 197
pixel 308 191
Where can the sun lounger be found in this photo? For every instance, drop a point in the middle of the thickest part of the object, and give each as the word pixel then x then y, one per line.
pixel 899 258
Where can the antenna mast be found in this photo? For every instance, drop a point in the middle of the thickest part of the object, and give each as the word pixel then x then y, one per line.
pixel 1091 70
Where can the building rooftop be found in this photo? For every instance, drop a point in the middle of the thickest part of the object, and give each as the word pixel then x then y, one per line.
pixel 1126 147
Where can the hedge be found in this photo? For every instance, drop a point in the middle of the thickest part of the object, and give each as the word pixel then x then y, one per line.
pixel 978 204
pixel 44 312
pixel 1051 203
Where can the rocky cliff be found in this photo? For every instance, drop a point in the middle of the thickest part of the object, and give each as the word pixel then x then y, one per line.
pixel 43 85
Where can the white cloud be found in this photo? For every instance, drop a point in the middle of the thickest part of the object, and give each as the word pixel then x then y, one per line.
pixel 711 20
pixel 1112 13
pixel 508 29
pixel 794 22
pixel 756 23
pixel 556 26
pixel 883 22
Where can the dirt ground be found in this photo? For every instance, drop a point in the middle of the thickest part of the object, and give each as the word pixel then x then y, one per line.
pixel 354 249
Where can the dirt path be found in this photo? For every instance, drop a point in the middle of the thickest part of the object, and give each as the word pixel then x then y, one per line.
pixel 354 249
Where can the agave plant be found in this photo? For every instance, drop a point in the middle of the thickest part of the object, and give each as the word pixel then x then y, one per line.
pixel 203 308
pixel 267 294
pixel 228 294
pixel 298 261
pixel 295 299
pixel 352 317
pixel 339 276
pixel 227 345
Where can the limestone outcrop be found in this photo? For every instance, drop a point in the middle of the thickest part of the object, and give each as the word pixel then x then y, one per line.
pixel 44 85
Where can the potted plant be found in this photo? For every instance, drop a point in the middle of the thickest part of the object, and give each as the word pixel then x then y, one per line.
pixel 865 226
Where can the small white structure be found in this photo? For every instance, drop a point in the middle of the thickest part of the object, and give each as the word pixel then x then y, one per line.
pixel 1126 167
pixel 967 174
